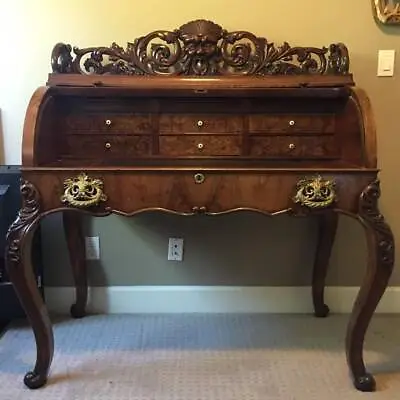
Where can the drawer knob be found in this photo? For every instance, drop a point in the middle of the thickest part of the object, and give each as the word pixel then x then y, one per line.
pixel 292 146
pixel 291 122
pixel 108 122
pixel 108 145
pixel 199 178
pixel 200 123
pixel 200 146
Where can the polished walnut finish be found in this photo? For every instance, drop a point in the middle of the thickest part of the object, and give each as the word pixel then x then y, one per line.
pixel 205 122
pixel 201 48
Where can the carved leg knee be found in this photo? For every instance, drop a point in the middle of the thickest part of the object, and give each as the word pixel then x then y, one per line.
pixel 380 265
pixel 19 268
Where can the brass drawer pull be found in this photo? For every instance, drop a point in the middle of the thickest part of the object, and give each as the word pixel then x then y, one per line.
pixel 315 192
pixel 83 191
pixel 291 123
pixel 292 146
pixel 108 122
pixel 200 123
pixel 107 145
pixel 199 178
pixel 200 146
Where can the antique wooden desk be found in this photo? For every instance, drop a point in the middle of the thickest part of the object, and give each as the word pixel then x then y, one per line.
pixel 200 120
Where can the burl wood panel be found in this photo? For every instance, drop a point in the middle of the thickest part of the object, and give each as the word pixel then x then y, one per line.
pixel 291 123
pixel 305 147
pixel 200 123
pixel 107 122
pixel 200 145
pixel 107 147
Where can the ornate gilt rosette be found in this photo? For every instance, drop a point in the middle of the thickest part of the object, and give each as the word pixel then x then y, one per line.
pixel 83 191
pixel 387 11
pixel 315 192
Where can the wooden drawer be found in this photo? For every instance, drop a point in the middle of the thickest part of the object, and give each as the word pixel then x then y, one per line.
pixel 291 123
pixel 181 191
pixel 137 124
pixel 311 147
pixel 200 145
pixel 108 146
pixel 200 123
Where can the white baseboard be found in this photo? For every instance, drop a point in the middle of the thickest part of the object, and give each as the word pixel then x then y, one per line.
pixel 211 299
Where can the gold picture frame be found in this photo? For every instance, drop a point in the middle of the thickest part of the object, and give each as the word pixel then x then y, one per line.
pixel 387 11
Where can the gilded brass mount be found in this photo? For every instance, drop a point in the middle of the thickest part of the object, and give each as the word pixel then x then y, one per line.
pixel 83 191
pixel 387 11
pixel 315 192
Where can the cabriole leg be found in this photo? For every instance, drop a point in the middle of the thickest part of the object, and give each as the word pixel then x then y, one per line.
pixel 380 265
pixel 19 267
pixel 72 221
pixel 327 226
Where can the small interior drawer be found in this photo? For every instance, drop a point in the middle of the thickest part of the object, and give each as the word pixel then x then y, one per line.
pixel 114 123
pixel 108 146
pixel 311 147
pixel 200 145
pixel 291 123
pixel 200 123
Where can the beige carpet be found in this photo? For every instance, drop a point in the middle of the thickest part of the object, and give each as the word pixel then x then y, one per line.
pixel 201 357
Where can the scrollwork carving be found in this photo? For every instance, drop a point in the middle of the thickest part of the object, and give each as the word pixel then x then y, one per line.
pixel 369 211
pixel 61 58
pixel 338 59
pixel 28 213
pixel 201 48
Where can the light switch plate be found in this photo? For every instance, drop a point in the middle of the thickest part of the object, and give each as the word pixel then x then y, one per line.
pixel 386 62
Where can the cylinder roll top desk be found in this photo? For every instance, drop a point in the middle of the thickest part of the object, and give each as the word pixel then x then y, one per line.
pixel 200 121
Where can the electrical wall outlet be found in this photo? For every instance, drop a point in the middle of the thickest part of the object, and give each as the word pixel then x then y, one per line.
pixel 175 249
pixel 92 248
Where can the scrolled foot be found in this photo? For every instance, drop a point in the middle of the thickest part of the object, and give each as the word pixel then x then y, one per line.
pixel 77 311
pixel 322 311
pixel 365 383
pixel 381 251
pixel 33 380
pixel 20 270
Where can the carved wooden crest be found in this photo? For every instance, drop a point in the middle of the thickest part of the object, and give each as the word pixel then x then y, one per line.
pixel 387 11
pixel 201 48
